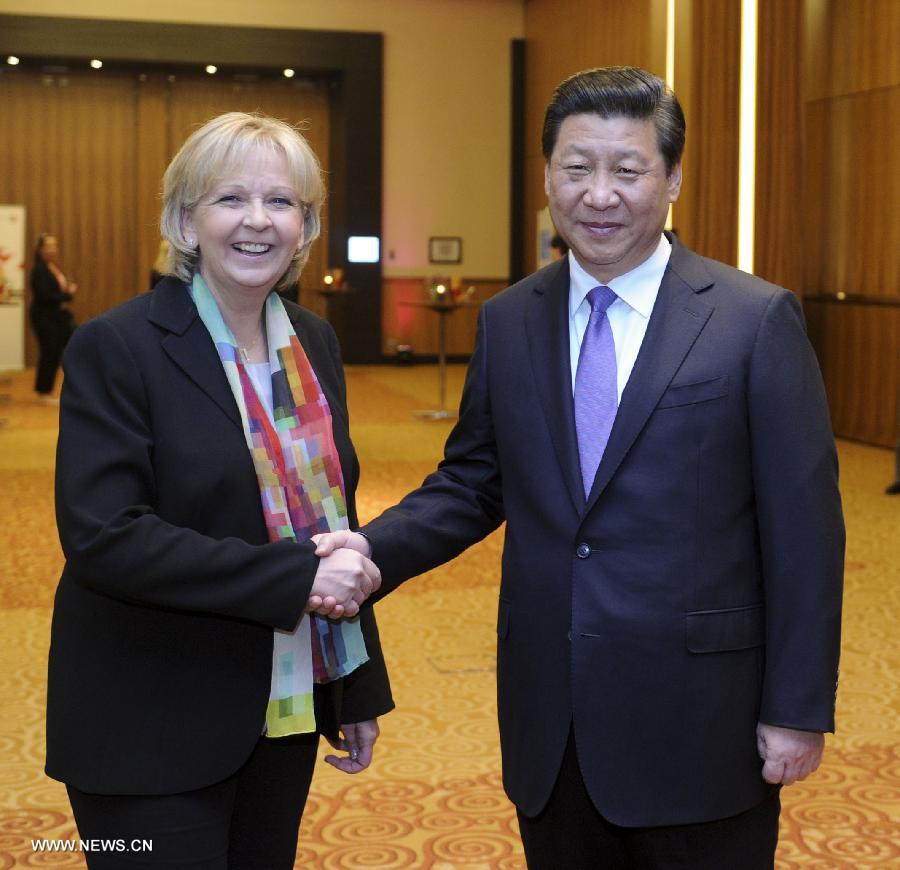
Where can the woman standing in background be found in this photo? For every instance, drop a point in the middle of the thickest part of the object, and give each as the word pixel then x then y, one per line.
pixel 51 319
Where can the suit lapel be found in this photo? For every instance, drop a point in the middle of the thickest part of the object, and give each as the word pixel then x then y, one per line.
pixel 189 345
pixel 678 317
pixel 547 328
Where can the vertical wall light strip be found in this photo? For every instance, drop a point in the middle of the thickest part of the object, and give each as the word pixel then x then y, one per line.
pixel 747 151
pixel 670 66
pixel 670 43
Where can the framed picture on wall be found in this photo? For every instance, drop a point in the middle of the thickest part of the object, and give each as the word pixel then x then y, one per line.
pixel 445 249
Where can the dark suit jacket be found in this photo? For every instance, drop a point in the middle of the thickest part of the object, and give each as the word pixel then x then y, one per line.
pixel 696 591
pixel 161 652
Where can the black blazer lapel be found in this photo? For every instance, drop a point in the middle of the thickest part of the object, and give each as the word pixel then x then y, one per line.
pixel 678 317
pixel 547 328
pixel 189 345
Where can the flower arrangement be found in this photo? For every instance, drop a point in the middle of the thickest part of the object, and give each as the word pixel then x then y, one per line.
pixel 447 290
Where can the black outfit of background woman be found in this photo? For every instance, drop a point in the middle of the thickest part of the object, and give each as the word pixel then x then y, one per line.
pixel 51 320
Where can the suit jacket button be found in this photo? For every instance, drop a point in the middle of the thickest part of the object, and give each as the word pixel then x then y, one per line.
pixel 583 551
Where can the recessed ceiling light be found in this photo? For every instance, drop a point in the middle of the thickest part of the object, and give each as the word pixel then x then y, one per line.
pixel 288 73
pixel 212 70
pixel 96 64
pixel 12 60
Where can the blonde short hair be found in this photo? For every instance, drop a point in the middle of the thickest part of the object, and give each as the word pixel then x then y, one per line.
pixel 209 154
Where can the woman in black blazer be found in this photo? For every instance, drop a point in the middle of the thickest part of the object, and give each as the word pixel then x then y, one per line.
pixel 50 317
pixel 187 685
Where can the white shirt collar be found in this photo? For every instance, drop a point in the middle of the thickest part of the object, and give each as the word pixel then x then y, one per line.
pixel 637 288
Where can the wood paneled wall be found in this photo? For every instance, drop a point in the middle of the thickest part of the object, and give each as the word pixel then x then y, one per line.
pixel 563 37
pixel 780 233
pixel 853 178
pixel 858 347
pixel 850 210
pixel 67 154
pixel 85 154
pixel 707 82
pixel 851 46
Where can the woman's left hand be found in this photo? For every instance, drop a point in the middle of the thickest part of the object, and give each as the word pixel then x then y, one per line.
pixel 358 741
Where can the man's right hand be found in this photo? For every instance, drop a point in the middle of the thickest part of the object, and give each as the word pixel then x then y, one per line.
pixel 343 581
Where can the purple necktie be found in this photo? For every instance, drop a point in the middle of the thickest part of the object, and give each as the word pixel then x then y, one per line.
pixel 596 386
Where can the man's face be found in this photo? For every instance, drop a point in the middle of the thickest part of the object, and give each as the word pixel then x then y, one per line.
pixel 608 191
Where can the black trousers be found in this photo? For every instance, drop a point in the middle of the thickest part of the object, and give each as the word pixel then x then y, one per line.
pixel 570 833
pixel 248 822
pixel 53 330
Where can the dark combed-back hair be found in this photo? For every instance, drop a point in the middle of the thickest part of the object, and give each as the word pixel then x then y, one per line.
pixel 618 91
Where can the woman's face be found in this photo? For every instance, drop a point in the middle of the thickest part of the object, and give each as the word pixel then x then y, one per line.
pixel 50 249
pixel 248 226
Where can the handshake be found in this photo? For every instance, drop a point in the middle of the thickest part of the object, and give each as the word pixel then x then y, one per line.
pixel 346 576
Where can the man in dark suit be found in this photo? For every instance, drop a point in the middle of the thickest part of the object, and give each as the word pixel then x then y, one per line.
pixel 653 429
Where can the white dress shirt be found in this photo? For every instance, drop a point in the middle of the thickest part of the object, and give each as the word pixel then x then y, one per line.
pixel 628 315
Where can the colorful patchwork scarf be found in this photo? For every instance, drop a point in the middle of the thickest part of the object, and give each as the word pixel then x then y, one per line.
pixel 302 490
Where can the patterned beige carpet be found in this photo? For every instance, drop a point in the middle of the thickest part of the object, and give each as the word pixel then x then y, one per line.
pixel 433 797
